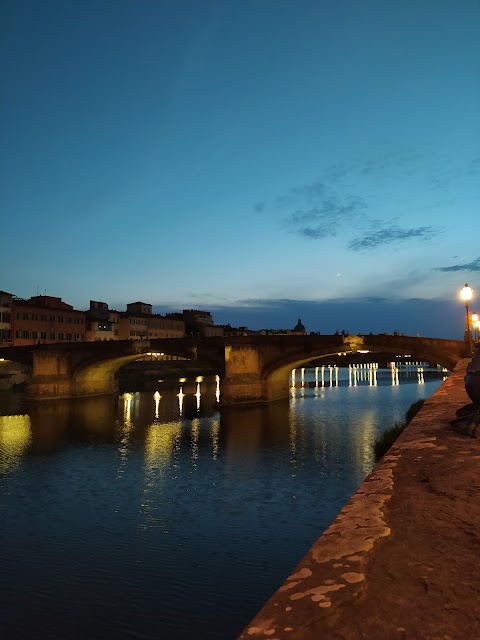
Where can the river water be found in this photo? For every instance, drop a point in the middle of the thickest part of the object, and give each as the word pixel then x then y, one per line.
pixel 161 516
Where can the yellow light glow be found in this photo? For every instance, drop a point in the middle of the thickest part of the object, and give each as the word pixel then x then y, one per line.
pixel 466 293
pixel 157 397
pixel 180 396
pixel 182 379
pixel 474 317
pixel 15 437
pixel 198 396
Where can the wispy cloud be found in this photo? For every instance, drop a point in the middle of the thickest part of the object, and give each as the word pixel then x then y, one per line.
pixel 474 166
pixel 390 235
pixel 323 220
pixel 320 211
pixel 473 266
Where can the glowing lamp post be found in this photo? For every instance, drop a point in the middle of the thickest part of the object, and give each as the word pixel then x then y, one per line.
pixel 466 294
pixel 476 325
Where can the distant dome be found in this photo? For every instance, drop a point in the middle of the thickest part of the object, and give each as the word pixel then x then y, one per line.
pixel 299 327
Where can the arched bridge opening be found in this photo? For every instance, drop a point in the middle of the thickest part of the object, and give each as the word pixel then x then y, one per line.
pixel 259 372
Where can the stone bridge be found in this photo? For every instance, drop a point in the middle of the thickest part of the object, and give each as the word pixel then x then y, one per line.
pixel 252 368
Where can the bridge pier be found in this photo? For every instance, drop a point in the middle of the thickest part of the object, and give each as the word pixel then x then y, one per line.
pixel 51 377
pixel 244 381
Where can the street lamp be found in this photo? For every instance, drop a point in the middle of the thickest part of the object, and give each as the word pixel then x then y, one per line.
pixel 466 294
pixel 475 324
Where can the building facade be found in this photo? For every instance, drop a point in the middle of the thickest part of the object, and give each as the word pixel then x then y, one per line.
pixel 5 319
pixel 139 323
pixel 200 323
pixel 101 322
pixel 44 320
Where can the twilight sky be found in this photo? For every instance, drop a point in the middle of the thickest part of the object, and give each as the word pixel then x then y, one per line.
pixel 262 159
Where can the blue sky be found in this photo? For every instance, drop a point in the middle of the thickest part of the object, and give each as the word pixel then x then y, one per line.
pixel 262 159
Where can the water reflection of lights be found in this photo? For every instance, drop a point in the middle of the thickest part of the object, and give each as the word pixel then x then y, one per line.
pixel 126 427
pixel 358 374
pixel 127 410
pixel 293 440
pixel 395 380
pixel 161 443
pixel 217 388
pixel 364 372
pixel 157 397
pixel 215 438
pixel 180 396
pixel 197 395
pixel 364 438
pixel 15 437
pixel 195 434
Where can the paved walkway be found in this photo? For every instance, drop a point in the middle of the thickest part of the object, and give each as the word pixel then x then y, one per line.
pixel 402 559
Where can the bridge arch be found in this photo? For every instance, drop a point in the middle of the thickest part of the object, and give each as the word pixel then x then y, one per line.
pixel 260 371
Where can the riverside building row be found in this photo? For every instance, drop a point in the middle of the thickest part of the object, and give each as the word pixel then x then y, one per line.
pixel 46 319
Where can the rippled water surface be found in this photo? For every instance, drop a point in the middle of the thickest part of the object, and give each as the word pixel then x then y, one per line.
pixel 148 516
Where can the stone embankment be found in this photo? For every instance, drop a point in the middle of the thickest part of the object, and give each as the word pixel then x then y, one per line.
pixel 402 559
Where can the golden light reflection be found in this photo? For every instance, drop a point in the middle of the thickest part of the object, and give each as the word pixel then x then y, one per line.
pixel 198 395
pixel 125 430
pixel 161 443
pixel 394 372
pixel 127 409
pixel 215 438
pixel 364 436
pixel 217 388
pixel 195 434
pixel 293 440
pixel 180 396
pixel 15 437
pixel 157 397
